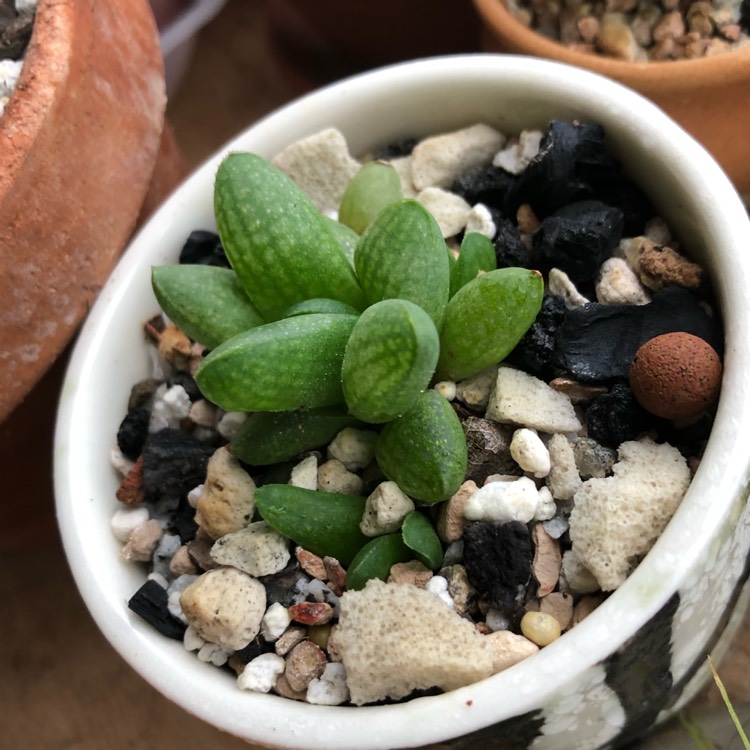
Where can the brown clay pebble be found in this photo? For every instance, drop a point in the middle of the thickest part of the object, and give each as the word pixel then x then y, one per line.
pixel 676 375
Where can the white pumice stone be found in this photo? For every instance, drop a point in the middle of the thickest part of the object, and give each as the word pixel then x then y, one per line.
pixel 480 220
pixel 547 507
pixel 330 689
pixel 437 161
pixel 259 675
pixel 563 479
pixel 560 285
pixel 575 577
pixel 305 474
pixel 511 500
pixel 496 620
pixel 275 622
pixel 509 648
pixel 354 448
pixel 385 510
pixel 125 520
pixel 257 550
pixel 438 585
pixel 122 465
pixel 321 165
pixel 517 155
pixel 522 399
pixel 447 389
pixel 191 640
pixel 450 211
pixel 213 653
pixel 618 284
pixel 194 495
pixel 164 552
pixel 616 520
pixel 529 452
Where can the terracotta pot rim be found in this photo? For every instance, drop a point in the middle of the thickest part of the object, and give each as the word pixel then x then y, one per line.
pixel 672 74
pixel 52 38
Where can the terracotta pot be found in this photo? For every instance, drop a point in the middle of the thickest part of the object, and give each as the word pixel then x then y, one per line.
pixel 78 145
pixel 707 96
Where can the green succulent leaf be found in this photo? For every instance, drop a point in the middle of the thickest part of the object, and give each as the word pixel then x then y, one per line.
pixel 420 536
pixel 389 360
pixel 345 236
pixel 320 305
pixel 477 255
pixel 485 320
pixel 290 364
pixel 276 240
pixel 266 438
pixel 324 523
pixel 375 186
pixel 402 255
pixel 206 302
pixel 375 560
pixel 424 450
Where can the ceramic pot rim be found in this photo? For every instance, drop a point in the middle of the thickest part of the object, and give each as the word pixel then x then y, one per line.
pixel 277 721
pixel 672 75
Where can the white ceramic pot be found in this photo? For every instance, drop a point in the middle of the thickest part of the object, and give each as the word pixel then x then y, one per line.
pixel 640 655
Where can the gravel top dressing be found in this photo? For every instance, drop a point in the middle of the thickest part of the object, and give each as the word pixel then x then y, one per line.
pixel 640 30
pixel 411 418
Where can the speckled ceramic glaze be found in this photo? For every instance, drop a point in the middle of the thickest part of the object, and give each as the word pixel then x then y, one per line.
pixel 640 655
pixel 708 96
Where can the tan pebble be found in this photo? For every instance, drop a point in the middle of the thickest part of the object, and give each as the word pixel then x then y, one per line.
pixel 225 606
pixel 227 502
pixel 304 663
pixel 333 476
pixel 459 588
pixel 412 572
pixel 560 606
pixel 335 575
pixel 731 32
pixel 671 26
pixel 509 649
pixel 311 613
pixel 175 346
pixel 284 689
pixel 540 628
pixel 142 542
pixel 181 563
pixel 528 222
pixel 310 563
pixel 717 46
pixel 131 492
pixel 616 39
pixel 451 521
pixel 547 560
pixel 585 606
pixel 676 376
pixel 289 639
pixel 576 391
pixel 588 28
pixel 199 549
pixel 202 413
pixel 666 49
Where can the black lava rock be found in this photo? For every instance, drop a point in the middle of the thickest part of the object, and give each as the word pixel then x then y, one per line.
pixel 615 417
pixel 498 559
pixel 745 16
pixel 597 343
pixel 488 448
pixel 150 603
pixel 203 248
pixel 572 158
pixel 133 432
pixel 510 249
pixel 636 207
pixel 487 185
pixel 535 352
pixel 174 462
pixel 256 647
pixel 578 238
pixel 182 521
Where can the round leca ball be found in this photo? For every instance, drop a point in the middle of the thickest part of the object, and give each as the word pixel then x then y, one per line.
pixel 676 376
